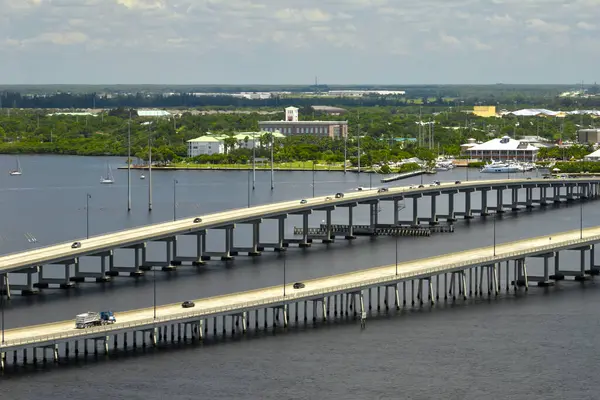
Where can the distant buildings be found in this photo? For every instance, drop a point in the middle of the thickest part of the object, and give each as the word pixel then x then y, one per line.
pixel 205 145
pixel 153 113
pixel 216 144
pixel 502 149
pixel 292 126
pixel 588 136
pixel 485 111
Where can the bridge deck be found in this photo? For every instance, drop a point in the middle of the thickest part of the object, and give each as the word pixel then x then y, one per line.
pixel 97 244
pixel 316 288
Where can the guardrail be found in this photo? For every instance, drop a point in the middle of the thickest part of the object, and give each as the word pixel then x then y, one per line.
pixel 149 322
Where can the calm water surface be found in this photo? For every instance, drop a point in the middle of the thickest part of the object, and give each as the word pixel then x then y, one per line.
pixel 540 345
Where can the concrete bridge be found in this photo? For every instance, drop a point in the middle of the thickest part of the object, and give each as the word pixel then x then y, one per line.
pixel 524 193
pixel 457 276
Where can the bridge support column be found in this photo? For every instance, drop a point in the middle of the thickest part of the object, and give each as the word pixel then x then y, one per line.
pixel 556 193
pixel 434 218
pixel 255 238
pixel 350 234
pixel 328 238
pixel 543 196
pixel 4 286
pixel 468 209
pixel 451 216
pixel 373 216
pixel 558 276
pixel 484 205
pixel 139 253
pixel 546 279
pixel 499 201
pixel 515 199
pixel 305 242
pixel 594 270
pixel 415 219
pixel 529 197
pixel 521 278
pixel 582 276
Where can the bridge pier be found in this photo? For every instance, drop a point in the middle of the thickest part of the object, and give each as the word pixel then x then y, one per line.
pixel 196 260
pixel 499 200
pixel 98 277
pixel 139 252
pixel 28 288
pixel 65 282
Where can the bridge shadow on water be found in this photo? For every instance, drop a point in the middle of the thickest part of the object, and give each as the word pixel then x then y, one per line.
pixel 450 309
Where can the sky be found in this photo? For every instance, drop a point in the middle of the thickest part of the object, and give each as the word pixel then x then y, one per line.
pixel 292 42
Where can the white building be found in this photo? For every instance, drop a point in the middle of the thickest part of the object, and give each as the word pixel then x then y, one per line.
pixel 153 113
pixel 595 156
pixel 205 145
pixel 502 149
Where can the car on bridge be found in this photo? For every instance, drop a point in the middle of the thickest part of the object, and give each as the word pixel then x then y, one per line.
pixel 303 201
pixel 188 304
pixel 339 195
pixel 299 285
pixel 328 198
pixel 197 220
pixel 383 189
pixel 76 245
pixel 457 182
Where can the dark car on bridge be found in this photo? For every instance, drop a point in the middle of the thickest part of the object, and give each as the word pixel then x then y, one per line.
pixel 188 304
pixel 299 285
pixel 197 220
pixel 76 245
pixel 339 195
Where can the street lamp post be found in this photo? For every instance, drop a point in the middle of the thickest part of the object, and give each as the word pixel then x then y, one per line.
pixel 248 190
pixel 87 215
pixel 175 182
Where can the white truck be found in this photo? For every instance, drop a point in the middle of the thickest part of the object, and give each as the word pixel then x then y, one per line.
pixel 92 318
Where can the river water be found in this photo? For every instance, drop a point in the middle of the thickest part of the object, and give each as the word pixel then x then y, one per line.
pixel 539 345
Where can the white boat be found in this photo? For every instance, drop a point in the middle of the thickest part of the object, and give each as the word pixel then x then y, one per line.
pixel 501 167
pixel 443 164
pixel 17 171
pixel 142 176
pixel 108 179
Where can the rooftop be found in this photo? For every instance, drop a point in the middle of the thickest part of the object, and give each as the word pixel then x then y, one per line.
pixel 504 143
pixel 204 139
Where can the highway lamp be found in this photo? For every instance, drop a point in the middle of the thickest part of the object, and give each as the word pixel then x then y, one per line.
pixel 248 190
pixel 175 182
pixel 87 215
pixel 371 179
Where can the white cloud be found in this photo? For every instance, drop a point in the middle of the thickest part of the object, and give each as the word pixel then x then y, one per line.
pixel 312 35
pixel 586 26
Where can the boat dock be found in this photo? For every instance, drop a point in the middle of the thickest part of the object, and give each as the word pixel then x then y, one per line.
pixel 404 175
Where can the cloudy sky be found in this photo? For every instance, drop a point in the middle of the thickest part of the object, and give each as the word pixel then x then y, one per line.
pixel 285 41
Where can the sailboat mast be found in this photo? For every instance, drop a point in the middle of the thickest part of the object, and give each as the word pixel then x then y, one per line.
pixel 129 163
pixel 149 174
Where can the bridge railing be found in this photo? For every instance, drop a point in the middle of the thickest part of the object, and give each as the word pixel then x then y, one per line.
pixel 388 278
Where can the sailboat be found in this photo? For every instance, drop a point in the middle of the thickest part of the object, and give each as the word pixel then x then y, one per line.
pixel 108 179
pixel 16 171
pixel 142 176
